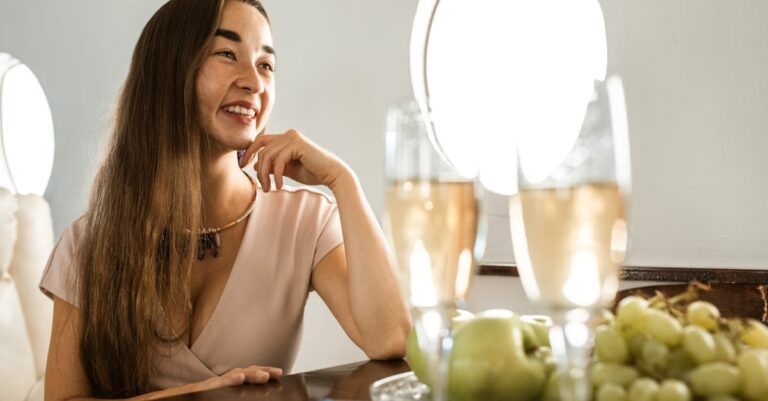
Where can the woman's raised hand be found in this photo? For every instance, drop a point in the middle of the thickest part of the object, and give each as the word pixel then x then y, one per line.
pixel 293 155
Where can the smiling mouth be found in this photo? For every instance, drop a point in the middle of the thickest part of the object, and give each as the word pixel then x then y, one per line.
pixel 241 115
pixel 241 111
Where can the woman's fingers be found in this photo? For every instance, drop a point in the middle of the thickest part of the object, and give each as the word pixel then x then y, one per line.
pixel 258 143
pixel 261 374
pixel 262 168
pixel 274 373
pixel 278 169
pixel 251 374
pixel 267 157
pixel 290 155
pixel 256 376
pixel 231 378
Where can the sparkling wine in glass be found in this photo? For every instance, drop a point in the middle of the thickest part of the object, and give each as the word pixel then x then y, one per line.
pixel 432 223
pixel 569 228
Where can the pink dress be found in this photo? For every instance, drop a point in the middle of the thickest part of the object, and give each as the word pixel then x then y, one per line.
pixel 258 319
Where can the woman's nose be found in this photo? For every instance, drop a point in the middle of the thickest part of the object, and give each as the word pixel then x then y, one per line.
pixel 250 80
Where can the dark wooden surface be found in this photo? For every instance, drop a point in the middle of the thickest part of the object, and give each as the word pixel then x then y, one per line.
pixel 733 300
pixel 736 292
pixel 340 383
pixel 667 274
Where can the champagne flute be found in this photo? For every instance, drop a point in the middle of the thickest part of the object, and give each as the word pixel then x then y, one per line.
pixel 432 222
pixel 569 228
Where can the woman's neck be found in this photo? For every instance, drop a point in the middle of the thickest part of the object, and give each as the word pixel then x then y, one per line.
pixel 226 191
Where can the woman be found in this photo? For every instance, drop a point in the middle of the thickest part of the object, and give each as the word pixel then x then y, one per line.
pixel 184 273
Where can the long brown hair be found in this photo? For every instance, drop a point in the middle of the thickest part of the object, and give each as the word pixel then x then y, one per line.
pixel 136 252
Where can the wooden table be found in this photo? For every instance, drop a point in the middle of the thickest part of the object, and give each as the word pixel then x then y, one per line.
pixel 340 383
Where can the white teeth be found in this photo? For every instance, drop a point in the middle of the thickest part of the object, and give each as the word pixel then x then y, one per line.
pixel 241 110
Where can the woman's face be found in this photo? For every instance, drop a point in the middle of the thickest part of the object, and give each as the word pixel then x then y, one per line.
pixel 235 85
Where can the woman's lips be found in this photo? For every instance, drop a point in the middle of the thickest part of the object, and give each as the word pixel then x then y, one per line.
pixel 239 118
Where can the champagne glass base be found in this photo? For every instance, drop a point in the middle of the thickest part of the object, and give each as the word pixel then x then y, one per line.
pixel 572 341
pixel 400 387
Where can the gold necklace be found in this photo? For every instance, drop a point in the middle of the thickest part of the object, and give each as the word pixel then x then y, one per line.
pixel 208 238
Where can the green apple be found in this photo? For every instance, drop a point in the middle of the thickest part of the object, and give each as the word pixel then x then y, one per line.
pixel 552 388
pixel 535 331
pixel 462 317
pixel 489 362
pixel 417 360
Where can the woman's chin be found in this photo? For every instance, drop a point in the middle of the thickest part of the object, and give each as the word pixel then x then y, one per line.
pixel 246 140
pixel 236 143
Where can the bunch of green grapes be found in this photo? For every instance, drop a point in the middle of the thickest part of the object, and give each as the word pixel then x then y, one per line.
pixel 653 351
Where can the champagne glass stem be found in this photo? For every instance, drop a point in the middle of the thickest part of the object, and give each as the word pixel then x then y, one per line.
pixel 572 340
pixel 433 328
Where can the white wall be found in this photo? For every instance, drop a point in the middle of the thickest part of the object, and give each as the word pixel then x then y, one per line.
pixel 80 51
pixel 696 76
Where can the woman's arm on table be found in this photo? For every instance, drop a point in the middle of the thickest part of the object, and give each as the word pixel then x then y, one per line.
pixel 357 279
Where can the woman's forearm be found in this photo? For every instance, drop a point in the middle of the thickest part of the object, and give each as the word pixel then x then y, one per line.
pixel 377 306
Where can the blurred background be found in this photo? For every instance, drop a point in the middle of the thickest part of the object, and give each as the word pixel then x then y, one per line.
pixel 695 75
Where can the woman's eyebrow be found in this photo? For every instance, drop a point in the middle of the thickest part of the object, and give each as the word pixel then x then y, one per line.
pixel 235 37
pixel 227 34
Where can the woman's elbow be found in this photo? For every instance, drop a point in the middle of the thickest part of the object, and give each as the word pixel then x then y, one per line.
pixel 382 353
pixel 391 347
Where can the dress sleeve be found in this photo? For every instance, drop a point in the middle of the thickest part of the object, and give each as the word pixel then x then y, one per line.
pixel 330 235
pixel 58 277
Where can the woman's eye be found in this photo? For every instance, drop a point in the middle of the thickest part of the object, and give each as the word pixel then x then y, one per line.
pixel 268 66
pixel 227 53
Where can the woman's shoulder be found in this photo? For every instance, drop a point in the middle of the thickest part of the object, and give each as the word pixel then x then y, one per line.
pixel 307 215
pixel 63 252
pixel 72 234
pixel 305 209
pixel 59 271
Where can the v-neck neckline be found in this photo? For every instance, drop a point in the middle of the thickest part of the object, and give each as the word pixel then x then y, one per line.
pixel 195 347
